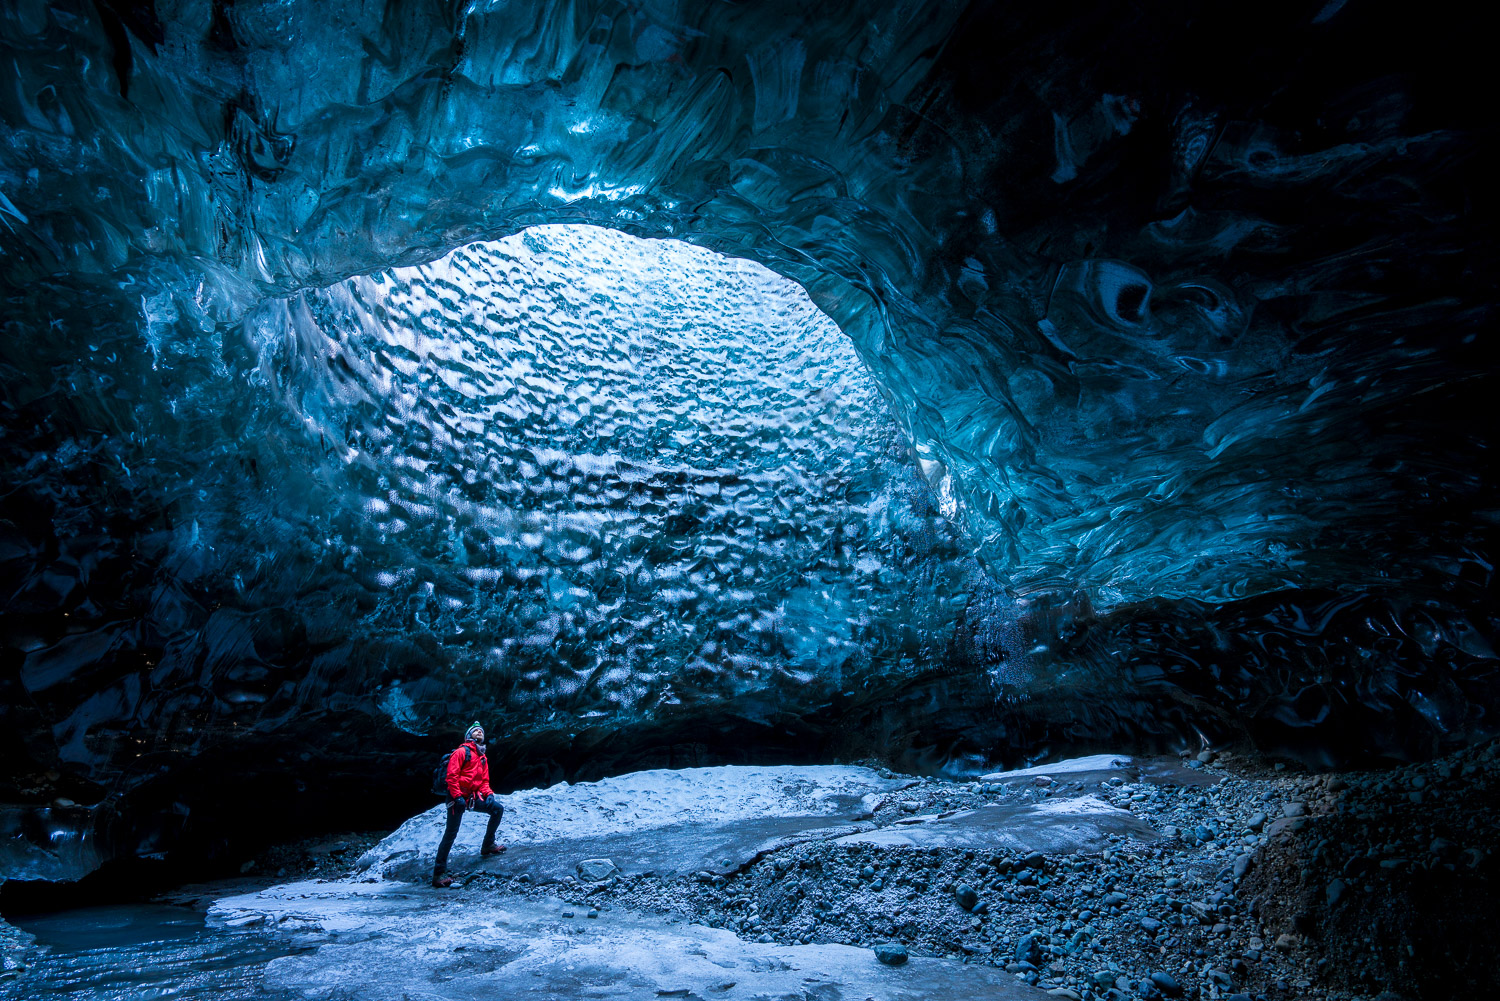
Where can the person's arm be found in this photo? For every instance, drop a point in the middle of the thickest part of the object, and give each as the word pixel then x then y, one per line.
pixel 455 765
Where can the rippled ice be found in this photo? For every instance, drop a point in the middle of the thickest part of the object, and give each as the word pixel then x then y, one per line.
pixel 612 471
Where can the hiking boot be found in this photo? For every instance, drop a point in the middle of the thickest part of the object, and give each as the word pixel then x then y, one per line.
pixel 492 850
pixel 441 882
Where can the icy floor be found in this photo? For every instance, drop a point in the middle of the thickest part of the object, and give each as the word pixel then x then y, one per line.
pixel 385 928
pixel 397 941
pixel 506 932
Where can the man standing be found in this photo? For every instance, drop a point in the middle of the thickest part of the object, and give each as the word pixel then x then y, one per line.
pixel 468 789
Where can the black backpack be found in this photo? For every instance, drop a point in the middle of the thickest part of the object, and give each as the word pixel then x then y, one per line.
pixel 440 773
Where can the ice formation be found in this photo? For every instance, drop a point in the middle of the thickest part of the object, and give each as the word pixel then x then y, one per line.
pixel 1157 405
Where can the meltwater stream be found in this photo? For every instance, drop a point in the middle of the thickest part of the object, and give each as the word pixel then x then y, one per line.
pixel 144 950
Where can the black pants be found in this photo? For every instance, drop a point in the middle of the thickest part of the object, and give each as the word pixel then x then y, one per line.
pixel 489 805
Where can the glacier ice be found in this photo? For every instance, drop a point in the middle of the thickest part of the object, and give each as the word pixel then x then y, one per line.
pixel 602 475
pixel 1172 382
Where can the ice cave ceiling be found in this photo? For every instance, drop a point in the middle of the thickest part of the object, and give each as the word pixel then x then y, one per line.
pixel 1159 407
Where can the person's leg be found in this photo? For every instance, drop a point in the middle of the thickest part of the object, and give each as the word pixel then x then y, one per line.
pixel 450 831
pixel 492 806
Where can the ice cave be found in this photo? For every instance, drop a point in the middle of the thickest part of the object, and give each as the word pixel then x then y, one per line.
pixel 923 499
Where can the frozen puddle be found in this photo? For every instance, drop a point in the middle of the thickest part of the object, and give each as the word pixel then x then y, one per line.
pixel 385 940
pixel 1056 827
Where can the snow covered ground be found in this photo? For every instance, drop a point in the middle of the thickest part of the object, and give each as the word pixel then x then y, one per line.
pixel 630 807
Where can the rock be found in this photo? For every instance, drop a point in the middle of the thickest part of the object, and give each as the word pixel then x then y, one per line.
pixel 891 953
pixel 910 806
pixel 1336 890
pixel 1294 809
pixel 1104 978
pixel 1242 865
pixel 1286 942
pixel 1029 948
pixel 1166 983
pixel 596 869
pixel 1114 899
pixel 593 913
pixel 1256 822
pixel 966 896
pixel 868 872
pixel 1033 860
pixel 1150 925
pixel 1205 756
pixel 567 914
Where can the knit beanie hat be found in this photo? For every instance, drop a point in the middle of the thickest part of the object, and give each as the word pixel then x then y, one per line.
pixel 475 733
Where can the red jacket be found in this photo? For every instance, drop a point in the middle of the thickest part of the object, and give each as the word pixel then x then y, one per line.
pixel 468 774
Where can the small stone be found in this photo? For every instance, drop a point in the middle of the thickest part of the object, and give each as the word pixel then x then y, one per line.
pixel 1166 983
pixel 1029 948
pixel 1256 822
pixel 868 872
pixel 1294 809
pixel 567 914
pixel 910 806
pixel 1104 978
pixel 1150 925
pixel 891 953
pixel 1336 890
pixel 966 896
pixel 1033 860
pixel 596 869
pixel 1286 942
pixel 1205 756
pixel 1242 865
pixel 593 913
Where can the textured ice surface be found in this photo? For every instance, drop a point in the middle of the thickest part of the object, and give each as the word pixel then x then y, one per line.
pixel 608 473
